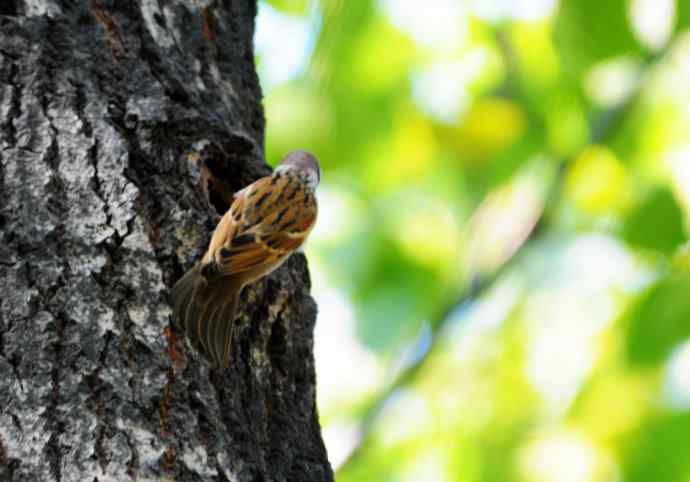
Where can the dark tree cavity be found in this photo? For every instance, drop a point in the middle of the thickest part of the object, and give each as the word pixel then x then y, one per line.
pixel 125 127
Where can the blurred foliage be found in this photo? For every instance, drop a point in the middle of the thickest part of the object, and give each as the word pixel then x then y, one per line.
pixel 590 31
pixel 501 261
pixel 660 321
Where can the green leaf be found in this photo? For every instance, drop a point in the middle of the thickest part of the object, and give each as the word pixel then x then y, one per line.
pixel 660 320
pixel 682 15
pixel 589 31
pixel 657 223
pixel 659 451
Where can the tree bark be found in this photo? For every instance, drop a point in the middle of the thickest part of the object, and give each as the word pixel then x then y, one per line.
pixel 124 129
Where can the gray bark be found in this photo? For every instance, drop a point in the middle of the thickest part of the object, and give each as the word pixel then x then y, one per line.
pixel 123 128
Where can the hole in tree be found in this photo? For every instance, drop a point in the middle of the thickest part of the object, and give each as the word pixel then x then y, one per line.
pixel 216 199
pixel 8 7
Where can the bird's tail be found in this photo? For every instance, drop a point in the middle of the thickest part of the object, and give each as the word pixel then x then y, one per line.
pixel 205 310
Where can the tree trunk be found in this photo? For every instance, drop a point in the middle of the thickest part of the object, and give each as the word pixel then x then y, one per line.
pixel 124 130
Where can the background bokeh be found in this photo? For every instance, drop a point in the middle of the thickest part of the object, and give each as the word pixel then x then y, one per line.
pixel 501 260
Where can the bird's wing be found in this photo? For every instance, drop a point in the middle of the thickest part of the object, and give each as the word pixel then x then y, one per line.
pixel 268 221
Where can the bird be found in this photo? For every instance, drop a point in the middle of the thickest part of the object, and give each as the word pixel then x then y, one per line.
pixel 267 221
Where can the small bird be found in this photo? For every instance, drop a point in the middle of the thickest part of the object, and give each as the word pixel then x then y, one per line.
pixel 267 221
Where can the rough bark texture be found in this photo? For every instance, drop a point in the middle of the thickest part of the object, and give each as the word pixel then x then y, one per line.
pixel 123 127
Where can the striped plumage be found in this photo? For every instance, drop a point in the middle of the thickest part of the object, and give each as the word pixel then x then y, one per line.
pixel 267 221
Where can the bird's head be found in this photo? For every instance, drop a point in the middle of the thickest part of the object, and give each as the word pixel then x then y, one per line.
pixel 304 164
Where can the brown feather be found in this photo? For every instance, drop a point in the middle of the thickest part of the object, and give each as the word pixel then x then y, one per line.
pixel 266 222
pixel 202 308
pixel 264 212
